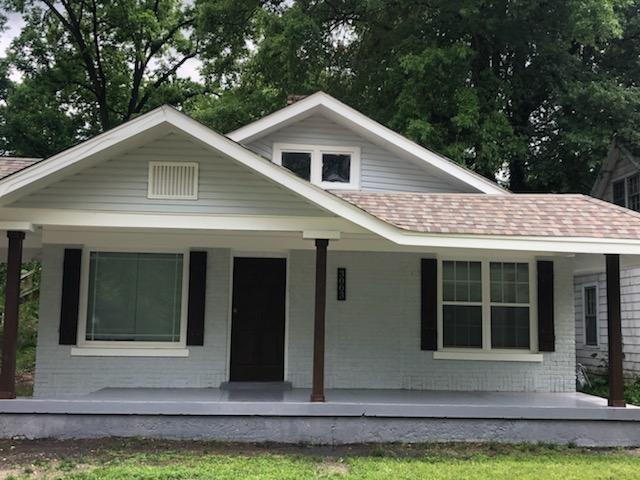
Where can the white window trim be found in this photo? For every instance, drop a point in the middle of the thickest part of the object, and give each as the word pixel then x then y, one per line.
pixel 128 352
pixel 584 315
pixel 486 352
pixel 136 348
pixel 316 152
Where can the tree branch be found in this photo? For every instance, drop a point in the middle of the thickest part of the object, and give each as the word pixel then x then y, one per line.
pixel 163 78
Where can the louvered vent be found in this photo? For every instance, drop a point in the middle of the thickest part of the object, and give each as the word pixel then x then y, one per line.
pixel 173 180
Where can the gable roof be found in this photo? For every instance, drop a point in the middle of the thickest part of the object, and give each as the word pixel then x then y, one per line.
pixel 556 215
pixel 11 165
pixel 617 150
pixel 167 119
pixel 341 113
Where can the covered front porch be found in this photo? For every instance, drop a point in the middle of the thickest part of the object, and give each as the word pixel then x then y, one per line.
pixel 377 338
pixel 270 413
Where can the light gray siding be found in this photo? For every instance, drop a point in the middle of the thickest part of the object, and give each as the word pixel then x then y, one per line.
pixel 381 169
pixel 373 338
pixel 595 357
pixel 120 184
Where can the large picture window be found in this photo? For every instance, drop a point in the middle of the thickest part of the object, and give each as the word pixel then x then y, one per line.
pixel 328 167
pixel 134 297
pixel 486 305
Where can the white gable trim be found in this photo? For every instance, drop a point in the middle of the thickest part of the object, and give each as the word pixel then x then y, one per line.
pixel 323 103
pixel 172 120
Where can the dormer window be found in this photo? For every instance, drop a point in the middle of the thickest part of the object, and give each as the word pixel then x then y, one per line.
pixel 332 168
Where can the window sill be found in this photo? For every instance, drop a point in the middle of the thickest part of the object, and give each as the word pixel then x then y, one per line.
pixel 128 352
pixel 489 356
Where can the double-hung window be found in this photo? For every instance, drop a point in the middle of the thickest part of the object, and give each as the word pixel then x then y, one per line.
pixel 134 299
pixel 590 305
pixel 486 306
pixel 328 167
pixel 510 310
pixel 461 304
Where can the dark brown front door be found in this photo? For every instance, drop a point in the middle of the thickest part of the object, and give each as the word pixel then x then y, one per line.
pixel 257 321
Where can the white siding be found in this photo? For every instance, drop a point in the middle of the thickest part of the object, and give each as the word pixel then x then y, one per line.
pixel 381 170
pixel 595 357
pixel 373 338
pixel 121 183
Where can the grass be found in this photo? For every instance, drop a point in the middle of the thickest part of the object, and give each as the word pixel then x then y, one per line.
pixel 140 459
pixel 600 387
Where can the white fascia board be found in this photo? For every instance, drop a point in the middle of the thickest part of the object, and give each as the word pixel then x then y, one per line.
pixel 320 101
pixel 523 243
pixel 127 220
pixel 95 147
pixel 276 120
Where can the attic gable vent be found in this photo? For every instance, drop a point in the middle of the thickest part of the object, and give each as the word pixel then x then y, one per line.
pixel 173 180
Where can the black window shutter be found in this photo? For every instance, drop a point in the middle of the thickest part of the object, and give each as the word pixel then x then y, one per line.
pixel 429 304
pixel 546 333
pixel 68 331
pixel 197 291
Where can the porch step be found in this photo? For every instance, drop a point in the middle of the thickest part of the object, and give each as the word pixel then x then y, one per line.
pixel 263 386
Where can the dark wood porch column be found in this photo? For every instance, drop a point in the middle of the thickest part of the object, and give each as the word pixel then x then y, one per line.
pixel 614 324
pixel 317 390
pixel 11 308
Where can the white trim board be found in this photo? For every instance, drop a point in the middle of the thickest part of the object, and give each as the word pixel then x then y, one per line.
pixel 321 102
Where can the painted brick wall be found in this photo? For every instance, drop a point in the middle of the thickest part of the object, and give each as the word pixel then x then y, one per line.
pixel 373 338
pixel 595 357
pixel 58 373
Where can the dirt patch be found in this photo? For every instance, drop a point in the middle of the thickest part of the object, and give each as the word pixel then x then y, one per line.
pixel 330 468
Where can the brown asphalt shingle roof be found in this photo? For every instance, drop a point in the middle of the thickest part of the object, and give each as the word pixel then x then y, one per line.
pixel 552 215
pixel 9 165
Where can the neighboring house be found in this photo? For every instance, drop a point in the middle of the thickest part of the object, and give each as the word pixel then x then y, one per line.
pixel 174 256
pixel 618 182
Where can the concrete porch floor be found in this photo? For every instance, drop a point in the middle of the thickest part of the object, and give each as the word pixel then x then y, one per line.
pixel 340 403
pixel 348 416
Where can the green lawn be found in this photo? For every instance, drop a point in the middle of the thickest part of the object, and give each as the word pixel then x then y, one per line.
pixel 137 459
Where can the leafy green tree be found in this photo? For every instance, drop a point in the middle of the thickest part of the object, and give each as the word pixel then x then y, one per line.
pixel 100 63
pixel 525 89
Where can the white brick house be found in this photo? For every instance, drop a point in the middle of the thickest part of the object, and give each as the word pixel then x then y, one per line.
pixel 176 257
